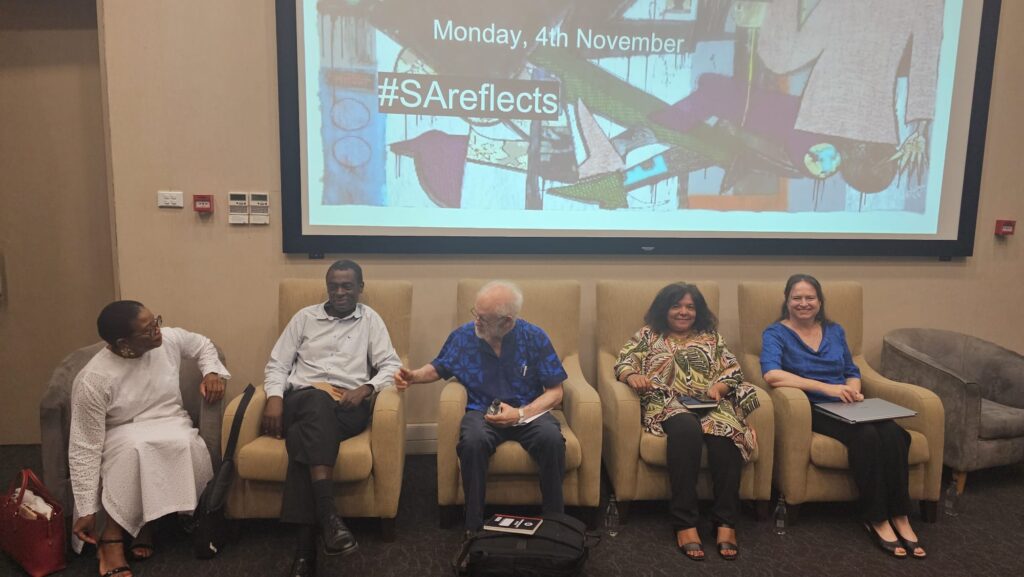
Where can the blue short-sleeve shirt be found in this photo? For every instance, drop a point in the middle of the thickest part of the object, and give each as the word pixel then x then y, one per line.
pixel 832 363
pixel 527 366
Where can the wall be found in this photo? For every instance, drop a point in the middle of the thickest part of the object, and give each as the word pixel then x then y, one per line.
pixel 191 91
pixel 55 234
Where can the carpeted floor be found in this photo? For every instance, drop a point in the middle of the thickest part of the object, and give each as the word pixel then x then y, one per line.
pixel 981 540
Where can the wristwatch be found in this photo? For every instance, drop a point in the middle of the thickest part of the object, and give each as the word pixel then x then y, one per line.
pixel 521 416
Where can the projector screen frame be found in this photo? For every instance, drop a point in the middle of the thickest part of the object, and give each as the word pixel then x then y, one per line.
pixel 294 241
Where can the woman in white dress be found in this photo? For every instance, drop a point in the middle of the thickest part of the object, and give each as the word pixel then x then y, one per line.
pixel 133 450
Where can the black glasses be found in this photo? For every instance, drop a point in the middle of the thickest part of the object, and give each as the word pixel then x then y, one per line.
pixel 151 329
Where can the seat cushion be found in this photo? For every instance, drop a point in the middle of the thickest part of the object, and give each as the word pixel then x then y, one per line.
pixel 653 451
pixel 829 453
pixel 266 459
pixel 1000 421
pixel 511 458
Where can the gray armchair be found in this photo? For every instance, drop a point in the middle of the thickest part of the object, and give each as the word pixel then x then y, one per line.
pixel 982 389
pixel 55 418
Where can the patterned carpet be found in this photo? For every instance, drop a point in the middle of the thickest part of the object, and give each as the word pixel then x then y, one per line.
pixel 981 540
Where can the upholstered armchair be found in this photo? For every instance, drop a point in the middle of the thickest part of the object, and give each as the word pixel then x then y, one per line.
pixel 512 475
pixel 368 474
pixel 811 467
pixel 982 389
pixel 55 418
pixel 636 460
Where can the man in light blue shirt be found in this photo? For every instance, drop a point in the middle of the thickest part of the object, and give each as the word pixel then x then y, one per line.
pixel 322 373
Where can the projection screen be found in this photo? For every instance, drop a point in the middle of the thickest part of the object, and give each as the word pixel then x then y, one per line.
pixel 633 126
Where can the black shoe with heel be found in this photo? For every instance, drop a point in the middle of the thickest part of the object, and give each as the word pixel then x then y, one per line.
pixel 910 546
pixel 725 547
pixel 889 547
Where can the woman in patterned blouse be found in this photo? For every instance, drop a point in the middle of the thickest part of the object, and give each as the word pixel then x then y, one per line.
pixel 680 353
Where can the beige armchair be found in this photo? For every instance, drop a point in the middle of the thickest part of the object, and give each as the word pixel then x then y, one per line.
pixel 368 475
pixel 635 460
pixel 812 467
pixel 512 475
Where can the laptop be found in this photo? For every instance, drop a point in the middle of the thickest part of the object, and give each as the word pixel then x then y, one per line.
pixel 866 411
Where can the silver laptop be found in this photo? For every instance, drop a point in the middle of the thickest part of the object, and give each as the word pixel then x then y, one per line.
pixel 866 411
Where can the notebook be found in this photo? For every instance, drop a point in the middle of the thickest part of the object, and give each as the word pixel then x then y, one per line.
pixel 866 411
pixel 513 524
pixel 697 404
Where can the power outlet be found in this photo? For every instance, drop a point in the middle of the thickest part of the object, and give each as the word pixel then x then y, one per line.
pixel 170 199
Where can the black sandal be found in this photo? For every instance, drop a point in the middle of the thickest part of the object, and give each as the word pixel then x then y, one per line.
pixel 689 549
pixel 724 546
pixel 116 570
pixel 143 542
pixel 887 546
pixel 908 545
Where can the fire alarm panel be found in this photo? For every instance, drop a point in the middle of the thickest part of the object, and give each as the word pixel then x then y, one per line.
pixel 202 203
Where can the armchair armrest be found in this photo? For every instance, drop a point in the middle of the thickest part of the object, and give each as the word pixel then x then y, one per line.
pixel 792 441
pixel 620 409
pixel 582 407
pixel 763 422
pixel 250 430
pixel 210 421
pixel 453 407
pixel 930 419
pixel 387 444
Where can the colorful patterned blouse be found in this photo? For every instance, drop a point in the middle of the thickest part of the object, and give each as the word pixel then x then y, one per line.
pixel 690 368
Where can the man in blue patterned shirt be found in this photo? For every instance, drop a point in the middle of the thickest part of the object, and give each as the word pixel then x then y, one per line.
pixel 499 357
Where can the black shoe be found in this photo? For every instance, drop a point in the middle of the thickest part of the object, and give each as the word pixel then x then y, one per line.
pixel 338 540
pixel 303 566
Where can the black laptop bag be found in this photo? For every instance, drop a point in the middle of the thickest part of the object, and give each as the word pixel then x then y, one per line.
pixel 559 548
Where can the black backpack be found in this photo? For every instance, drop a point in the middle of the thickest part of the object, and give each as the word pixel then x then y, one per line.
pixel 209 527
pixel 559 548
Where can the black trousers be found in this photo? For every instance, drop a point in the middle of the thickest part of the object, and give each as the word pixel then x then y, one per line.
pixel 686 439
pixel 314 425
pixel 478 440
pixel 878 458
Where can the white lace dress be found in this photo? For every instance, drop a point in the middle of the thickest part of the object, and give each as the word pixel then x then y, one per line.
pixel 133 450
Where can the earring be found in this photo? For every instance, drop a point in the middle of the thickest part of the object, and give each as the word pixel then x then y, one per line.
pixel 127 353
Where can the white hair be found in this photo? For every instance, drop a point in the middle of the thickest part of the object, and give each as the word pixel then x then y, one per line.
pixel 509 307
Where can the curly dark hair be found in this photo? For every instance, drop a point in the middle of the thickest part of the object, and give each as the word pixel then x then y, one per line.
pixel 821 317
pixel 657 314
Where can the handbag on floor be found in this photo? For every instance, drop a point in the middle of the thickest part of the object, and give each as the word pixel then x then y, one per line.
pixel 37 544
pixel 559 548
pixel 211 529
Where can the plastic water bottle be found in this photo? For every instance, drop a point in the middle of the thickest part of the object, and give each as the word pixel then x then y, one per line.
pixel 611 517
pixel 780 516
pixel 951 499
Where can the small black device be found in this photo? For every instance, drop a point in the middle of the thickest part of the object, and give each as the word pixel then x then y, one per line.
pixel 495 407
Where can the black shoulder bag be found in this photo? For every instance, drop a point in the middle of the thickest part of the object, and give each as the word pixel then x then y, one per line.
pixel 210 527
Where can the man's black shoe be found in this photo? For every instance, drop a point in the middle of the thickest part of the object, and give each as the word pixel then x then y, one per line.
pixel 338 540
pixel 303 566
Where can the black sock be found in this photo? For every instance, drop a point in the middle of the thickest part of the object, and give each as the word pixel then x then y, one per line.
pixel 307 540
pixel 323 496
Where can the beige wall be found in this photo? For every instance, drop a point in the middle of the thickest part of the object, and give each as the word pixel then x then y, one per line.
pixel 191 88
pixel 54 214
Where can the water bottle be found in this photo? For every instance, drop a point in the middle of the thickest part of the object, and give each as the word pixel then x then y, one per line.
pixel 951 499
pixel 780 516
pixel 611 517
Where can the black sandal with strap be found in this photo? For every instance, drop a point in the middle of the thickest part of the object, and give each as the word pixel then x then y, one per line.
pixel 724 546
pixel 689 548
pixel 116 570
pixel 887 546
pixel 910 546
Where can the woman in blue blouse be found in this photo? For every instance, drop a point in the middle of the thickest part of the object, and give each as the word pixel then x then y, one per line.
pixel 805 350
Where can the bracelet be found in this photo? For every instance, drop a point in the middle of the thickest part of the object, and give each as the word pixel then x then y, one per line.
pixel 522 416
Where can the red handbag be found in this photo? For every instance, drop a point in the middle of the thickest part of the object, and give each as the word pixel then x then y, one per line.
pixel 35 544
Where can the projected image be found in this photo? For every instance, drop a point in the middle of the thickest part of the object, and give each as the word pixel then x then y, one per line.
pixel 633 116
